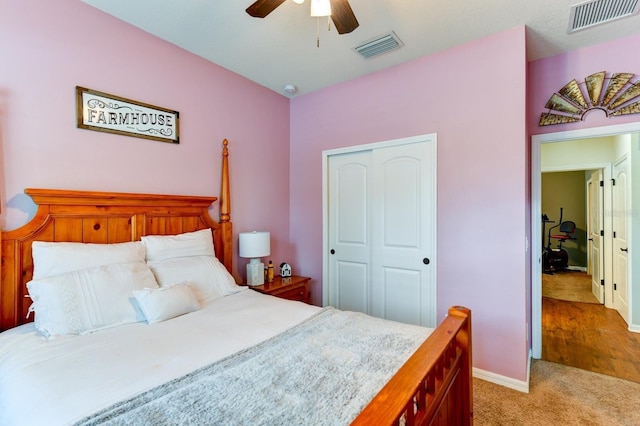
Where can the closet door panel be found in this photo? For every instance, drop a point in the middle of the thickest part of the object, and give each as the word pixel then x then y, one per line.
pixel 353 280
pixel 349 227
pixel 403 233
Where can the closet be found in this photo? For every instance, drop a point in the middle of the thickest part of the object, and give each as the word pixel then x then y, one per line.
pixel 380 229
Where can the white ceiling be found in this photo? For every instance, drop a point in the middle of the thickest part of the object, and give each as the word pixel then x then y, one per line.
pixel 281 48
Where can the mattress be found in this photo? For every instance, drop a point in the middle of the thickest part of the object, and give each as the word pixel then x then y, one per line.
pixel 60 381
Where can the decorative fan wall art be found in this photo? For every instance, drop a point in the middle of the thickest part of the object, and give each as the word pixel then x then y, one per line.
pixel 614 95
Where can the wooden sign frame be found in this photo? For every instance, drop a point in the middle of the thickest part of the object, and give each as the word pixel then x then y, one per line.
pixel 103 112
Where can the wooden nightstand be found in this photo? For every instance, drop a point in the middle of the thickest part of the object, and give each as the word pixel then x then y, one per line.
pixel 292 288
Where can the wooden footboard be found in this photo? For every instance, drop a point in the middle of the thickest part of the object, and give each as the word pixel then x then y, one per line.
pixel 434 387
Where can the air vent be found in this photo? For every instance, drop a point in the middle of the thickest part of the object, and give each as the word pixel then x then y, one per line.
pixel 596 12
pixel 379 45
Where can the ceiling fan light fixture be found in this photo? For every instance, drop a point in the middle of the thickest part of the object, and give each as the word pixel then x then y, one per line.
pixel 320 8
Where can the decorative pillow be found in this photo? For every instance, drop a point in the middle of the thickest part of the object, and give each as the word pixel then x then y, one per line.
pixel 51 258
pixel 163 303
pixel 87 300
pixel 208 277
pixel 162 247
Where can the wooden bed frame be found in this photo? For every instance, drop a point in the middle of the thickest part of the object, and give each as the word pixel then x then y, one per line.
pixel 432 387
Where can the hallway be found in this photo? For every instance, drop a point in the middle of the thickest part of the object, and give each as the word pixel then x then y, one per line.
pixel 591 337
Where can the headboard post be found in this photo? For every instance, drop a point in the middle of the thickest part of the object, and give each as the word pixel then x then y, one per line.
pixel 226 227
pixel 225 192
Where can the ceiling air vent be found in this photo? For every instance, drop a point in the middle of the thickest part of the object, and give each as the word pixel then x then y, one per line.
pixel 379 45
pixel 596 12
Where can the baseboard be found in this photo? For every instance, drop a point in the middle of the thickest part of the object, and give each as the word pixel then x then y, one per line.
pixel 634 328
pixel 577 268
pixel 507 382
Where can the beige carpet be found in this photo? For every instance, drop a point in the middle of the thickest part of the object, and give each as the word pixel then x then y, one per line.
pixel 559 395
pixel 574 286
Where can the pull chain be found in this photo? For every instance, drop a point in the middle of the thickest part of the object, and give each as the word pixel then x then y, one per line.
pixel 318 29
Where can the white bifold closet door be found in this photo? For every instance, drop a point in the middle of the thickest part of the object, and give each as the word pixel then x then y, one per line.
pixel 381 226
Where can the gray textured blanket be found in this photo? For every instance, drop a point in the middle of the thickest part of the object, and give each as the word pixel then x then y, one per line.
pixel 322 372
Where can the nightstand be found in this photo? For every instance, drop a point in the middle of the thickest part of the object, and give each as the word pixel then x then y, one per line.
pixel 292 288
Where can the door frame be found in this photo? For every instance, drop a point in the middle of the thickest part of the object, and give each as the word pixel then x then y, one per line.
pixel 536 214
pixel 427 137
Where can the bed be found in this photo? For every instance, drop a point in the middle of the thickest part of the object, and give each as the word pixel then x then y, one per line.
pixel 211 355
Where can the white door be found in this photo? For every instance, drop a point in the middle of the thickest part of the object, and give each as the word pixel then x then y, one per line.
pixel 595 228
pixel 349 242
pixel 621 204
pixel 403 237
pixel 381 232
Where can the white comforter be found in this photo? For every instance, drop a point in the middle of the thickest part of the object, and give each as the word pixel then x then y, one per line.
pixel 61 381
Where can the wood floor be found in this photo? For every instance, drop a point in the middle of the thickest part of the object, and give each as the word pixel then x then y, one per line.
pixel 591 337
pixel 574 286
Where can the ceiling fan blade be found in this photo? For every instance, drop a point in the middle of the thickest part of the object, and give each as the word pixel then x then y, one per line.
pixel 343 17
pixel 262 8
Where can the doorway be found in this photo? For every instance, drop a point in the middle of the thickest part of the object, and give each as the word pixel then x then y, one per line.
pixel 536 214
pixel 573 213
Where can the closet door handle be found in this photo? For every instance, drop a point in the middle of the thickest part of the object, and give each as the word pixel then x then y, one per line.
pixel 624 249
pixel 426 261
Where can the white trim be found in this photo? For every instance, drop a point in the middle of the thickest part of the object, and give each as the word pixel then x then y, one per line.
pixel 325 224
pixel 375 145
pixel 501 380
pixel 536 213
pixel 619 129
pixel 577 268
pixel 634 328
pixel 592 166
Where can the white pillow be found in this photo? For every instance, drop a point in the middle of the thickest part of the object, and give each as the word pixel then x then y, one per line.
pixel 87 300
pixel 50 258
pixel 161 247
pixel 208 277
pixel 163 303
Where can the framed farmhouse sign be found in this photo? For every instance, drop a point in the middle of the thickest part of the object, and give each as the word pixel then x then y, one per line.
pixel 113 114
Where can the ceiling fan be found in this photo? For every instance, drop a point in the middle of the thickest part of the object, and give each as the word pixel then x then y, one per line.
pixel 341 13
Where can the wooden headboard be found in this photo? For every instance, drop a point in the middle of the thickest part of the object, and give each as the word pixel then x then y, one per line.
pixel 104 217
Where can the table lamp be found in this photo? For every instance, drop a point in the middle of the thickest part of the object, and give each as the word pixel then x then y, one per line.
pixel 255 245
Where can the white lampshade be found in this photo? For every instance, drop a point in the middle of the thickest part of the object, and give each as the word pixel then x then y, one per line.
pixel 255 244
pixel 320 8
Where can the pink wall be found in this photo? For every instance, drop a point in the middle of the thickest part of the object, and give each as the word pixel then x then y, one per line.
pixel 50 47
pixel 547 76
pixel 473 97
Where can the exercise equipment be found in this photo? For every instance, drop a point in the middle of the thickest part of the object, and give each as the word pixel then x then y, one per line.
pixel 557 259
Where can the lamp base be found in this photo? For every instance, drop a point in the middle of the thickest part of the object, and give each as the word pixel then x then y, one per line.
pixel 255 272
